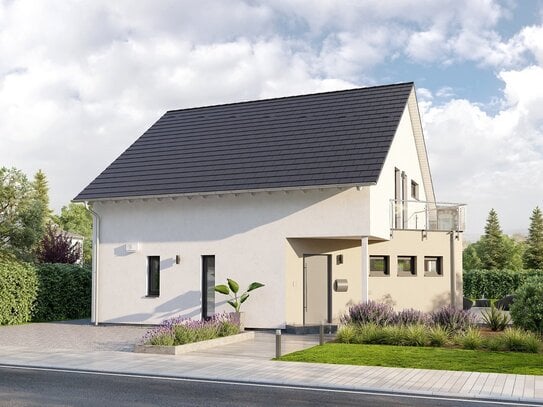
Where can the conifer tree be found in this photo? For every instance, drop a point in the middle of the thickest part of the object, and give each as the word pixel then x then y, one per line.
pixel 493 251
pixel 41 193
pixel 533 256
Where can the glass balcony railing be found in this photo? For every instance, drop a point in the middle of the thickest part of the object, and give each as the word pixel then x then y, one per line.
pixel 421 215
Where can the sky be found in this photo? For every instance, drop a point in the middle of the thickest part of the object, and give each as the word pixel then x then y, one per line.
pixel 81 80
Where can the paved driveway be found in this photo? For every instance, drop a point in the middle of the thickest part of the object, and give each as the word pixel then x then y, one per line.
pixel 71 335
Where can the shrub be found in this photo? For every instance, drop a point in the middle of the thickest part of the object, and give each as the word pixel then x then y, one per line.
pixel 410 317
pixel 495 318
pixel 370 312
pixel 495 283
pixel 64 292
pixel 527 310
pixel 18 289
pixel 517 340
pixel 179 331
pixel 57 247
pixel 452 319
pixel 470 339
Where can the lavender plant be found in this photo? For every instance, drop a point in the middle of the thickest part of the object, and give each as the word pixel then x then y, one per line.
pixel 178 330
pixel 410 317
pixel 370 312
pixel 453 319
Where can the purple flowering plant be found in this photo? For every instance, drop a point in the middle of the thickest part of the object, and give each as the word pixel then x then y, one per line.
pixel 178 330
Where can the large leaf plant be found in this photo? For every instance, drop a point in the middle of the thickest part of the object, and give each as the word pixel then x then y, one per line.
pixel 232 289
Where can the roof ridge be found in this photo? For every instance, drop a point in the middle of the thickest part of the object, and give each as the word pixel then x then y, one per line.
pixel 292 96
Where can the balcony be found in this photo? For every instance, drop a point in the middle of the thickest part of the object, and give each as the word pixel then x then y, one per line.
pixel 421 215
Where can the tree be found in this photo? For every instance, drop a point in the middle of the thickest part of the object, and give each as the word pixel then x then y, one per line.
pixel 533 256
pixel 470 258
pixel 41 193
pixel 492 245
pixel 76 218
pixel 57 247
pixel 21 214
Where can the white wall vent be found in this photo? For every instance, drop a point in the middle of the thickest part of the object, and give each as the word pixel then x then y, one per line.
pixel 131 247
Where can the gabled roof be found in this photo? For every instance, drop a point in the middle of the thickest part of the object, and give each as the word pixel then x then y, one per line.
pixel 326 139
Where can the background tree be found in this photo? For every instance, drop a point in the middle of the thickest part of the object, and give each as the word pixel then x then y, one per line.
pixel 470 257
pixel 492 247
pixel 21 214
pixel 57 247
pixel 76 218
pixel 494 251
pixel 41 194
pixel 533 256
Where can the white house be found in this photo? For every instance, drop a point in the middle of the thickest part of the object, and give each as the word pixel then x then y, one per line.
pixel 326 198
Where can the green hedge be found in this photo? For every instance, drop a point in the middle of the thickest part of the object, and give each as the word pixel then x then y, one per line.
pixel 18 288
pixel 495 283
pixel 64 292
pixel 527 310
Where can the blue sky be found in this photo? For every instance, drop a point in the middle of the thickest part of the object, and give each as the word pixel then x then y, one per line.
pixel 80 81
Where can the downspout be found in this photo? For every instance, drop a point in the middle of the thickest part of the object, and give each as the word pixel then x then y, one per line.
pixel 95 262
pixel 453 270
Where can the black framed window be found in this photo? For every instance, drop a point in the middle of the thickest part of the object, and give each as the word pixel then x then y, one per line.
pixel 153 276
pixel 379 266
pixel 208 286
pixel 433 266
pixel 407 266
pixel 414 190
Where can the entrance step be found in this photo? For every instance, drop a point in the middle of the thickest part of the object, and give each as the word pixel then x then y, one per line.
pixel 310 329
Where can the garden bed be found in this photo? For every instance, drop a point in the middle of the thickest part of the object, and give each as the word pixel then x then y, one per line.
pixel 180 335
pixel 194 346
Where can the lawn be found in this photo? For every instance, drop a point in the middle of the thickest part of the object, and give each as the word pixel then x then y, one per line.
pixel 421 358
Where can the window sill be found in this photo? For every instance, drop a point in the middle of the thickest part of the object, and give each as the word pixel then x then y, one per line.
pixel 152 296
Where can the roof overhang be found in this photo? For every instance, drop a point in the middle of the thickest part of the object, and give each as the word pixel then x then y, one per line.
pixel 233 192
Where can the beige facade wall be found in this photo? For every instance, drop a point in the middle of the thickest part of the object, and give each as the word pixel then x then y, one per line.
pixel 350 270
pixel 420 291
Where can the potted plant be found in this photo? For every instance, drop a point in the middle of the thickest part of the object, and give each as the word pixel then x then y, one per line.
pixel 232 289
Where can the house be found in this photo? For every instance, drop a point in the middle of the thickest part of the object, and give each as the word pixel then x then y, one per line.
pixel 325 198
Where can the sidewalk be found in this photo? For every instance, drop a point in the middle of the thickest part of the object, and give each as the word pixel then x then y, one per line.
pixel 250 362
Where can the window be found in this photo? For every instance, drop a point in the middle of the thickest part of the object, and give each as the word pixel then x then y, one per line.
pixel 414 190
pixel 433 266
pixel 397 198
pixel 153 276
pixel 379 266
pixel 208 286
pixel 407 266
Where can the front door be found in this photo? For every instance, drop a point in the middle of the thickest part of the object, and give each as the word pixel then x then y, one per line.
pixel 316 289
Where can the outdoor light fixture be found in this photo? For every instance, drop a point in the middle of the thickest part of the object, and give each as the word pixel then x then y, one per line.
pixel 177 259
pixel 339 259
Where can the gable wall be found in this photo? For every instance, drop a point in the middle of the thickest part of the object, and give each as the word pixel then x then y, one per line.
pixel 402 155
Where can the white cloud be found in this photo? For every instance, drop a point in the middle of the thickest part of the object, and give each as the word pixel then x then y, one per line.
pixel 491 160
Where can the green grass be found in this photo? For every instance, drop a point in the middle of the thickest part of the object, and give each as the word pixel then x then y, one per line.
pixel 421 358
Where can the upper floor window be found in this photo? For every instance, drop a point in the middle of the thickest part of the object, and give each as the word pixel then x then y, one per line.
pixel 414 190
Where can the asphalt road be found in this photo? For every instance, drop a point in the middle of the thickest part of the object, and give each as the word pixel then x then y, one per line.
pixel 30 387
